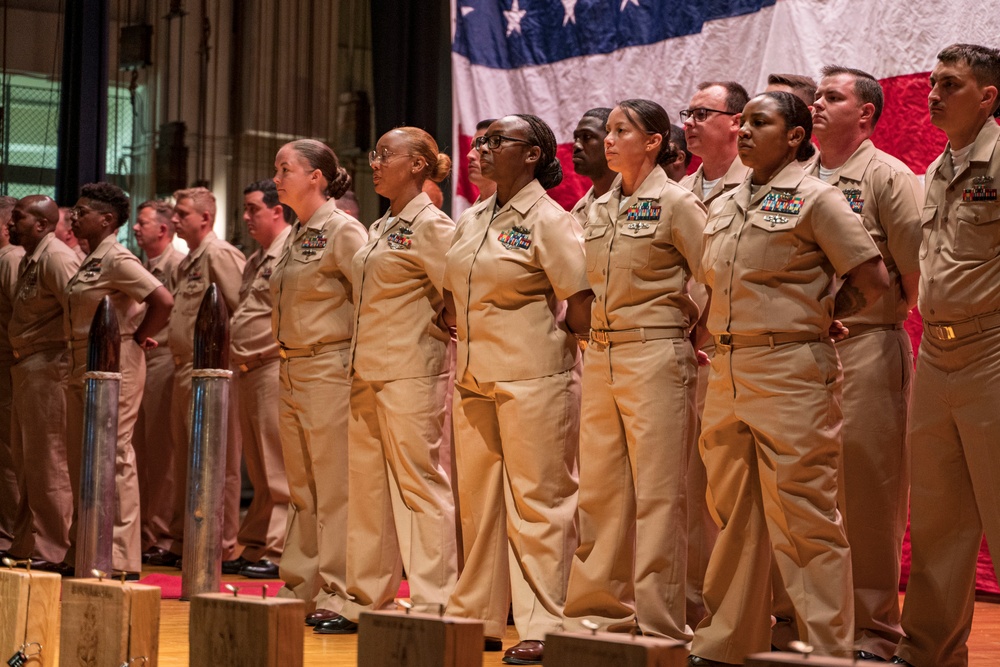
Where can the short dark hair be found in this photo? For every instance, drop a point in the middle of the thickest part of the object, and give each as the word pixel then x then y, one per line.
pixel 484 124
pixel 804 85
pixel 866 87
pixel 269 192
pixel 736 95
pixel 600 113
pixel 650 117
pixel 796 114
pixel 548 171
pixel 680 142
pixel 113 198
pixel 982 60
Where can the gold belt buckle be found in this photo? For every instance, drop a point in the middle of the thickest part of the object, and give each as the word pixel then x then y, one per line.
pixel 726 339
pixel 282 353
pixel 944 331
pixel 244 368
pixel 599 336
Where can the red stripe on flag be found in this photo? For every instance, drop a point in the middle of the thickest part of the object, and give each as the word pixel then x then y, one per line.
pixel 905 129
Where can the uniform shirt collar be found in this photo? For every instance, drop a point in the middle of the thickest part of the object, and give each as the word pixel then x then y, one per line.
pixel 318 219
pixel 278 244
pixel 205 242
pixel 41 247
pixel 525 198
pixel 409 212
pixel 854 168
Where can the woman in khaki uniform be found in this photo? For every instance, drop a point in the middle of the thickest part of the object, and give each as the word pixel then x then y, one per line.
pixel 112 270
pixel 515 256
pixel 312 321
pixel 400 444
pixel 639 380
pixel 774 250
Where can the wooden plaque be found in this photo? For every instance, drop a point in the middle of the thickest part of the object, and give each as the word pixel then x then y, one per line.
pixel 107 622
pixel 777 659
pixel 611 648
pixel 247 631
pixel 391 639
pixel 29 612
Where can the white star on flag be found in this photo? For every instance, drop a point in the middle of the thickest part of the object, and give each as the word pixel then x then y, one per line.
pixel 514 16
pixel 626 2
pixel 569 6
pixel 467 10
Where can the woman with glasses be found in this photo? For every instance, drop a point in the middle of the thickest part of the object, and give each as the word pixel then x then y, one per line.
pixel 515 257
pixel 643 239
pixel 399 429
pixel 313 319
pixel 112 270
pixel 775 250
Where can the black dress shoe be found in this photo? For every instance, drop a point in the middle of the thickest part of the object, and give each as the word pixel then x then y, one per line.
pixel 698 661
pixel 62 569
pixel 896 660
pixel 129 576
pixel 337 625
pixel 524 653
pixel 234 566
pixel 262 569
pixel 492 644
pixel 320 615
pixel 162 558
pixel 868 656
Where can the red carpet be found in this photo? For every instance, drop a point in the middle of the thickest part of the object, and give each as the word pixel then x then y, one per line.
pixel 170 586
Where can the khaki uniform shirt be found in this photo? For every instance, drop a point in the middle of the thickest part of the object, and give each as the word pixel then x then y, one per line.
pixel 398 279
pixel 251 337
pixel 112 271
pixel 960 252
pixel 36 322
pixel 640 254
pixel 164 268
pixel 770 257
pixel 507 270
pixel 886 194
pixel 213 261
pixel 311 284
pixel 581 210
pixel 734 176
pixel 10 263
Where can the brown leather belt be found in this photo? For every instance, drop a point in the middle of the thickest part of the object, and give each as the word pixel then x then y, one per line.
pixel 603 337
pixel 955 330
pixel 736 341
pixel 856 330
pixel 311 351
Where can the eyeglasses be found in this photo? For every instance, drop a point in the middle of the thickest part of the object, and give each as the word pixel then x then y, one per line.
pixel 383 158
pixel 79 211
pixel 700 114
pixel 494 141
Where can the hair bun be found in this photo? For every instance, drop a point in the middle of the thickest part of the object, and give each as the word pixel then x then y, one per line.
pixel 550 175
pixel 340 184
pixel 441 168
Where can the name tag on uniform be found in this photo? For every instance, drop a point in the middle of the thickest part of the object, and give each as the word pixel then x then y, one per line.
pixel 855 199
pixel 312 242
pixel 400 240
pixel 643 210
pixel 980 190
pixel 782 202
pixel 515 237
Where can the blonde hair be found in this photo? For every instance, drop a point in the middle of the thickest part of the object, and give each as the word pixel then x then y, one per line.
pixel 423 145
pixel 201 198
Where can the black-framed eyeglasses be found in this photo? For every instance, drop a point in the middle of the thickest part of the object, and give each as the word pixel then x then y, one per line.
pixel 383 158
pixel 494 141
pixel 700 114
pixel 78 212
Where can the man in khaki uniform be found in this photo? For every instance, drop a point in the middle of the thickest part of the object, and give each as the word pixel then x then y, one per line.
pixel 711 123
pixel 803 87
pixel 10 262
pixel 876 356
pixel 210 260
pixel 39 379
pixel 955 406
pixel 255 355
pixel 152 440
pixel 589 160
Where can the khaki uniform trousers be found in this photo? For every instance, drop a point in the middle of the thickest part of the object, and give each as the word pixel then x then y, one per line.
pixel 400 463
pixel 637 425
pixel 315 401
pixel 955 468
pixel 154 450
pixel 180 420
pixel 772 447
pixel 701 528
pixel 874 486
pixel 516 447
pixel 126 554
pixel 262 532
pixel 38 434
pixel 9 493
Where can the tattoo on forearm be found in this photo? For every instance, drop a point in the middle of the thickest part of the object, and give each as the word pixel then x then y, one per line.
pixel 849 300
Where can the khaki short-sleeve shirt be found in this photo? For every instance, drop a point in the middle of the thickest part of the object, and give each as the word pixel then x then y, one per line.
pixel 886 194
pixel 734 176
pixel 398 286
pixel 311 284
pixel 112 271
pixel 508 269
pixel 960 251
pixel 771 257
pixel 252 337
pixel 36 321
pixel 640 251
pixel 164 267
pixel 213 261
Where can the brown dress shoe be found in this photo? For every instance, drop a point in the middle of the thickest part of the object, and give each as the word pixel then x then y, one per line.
pixel 319 616
pixel 525 653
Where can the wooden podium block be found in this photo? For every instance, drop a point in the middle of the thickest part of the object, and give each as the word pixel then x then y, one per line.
pixel 783 659
pixel 107 622
pixel 390 639
pixel 565 649
pixel 246 631
pixel 29 612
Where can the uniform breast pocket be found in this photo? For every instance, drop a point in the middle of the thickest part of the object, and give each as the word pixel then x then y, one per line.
pixel 633 245
pixel 308 255
pixel 716 232
pixel 927 229
pixel 977 234
pixel 193 292
pixel 773 249
pixel 595 240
